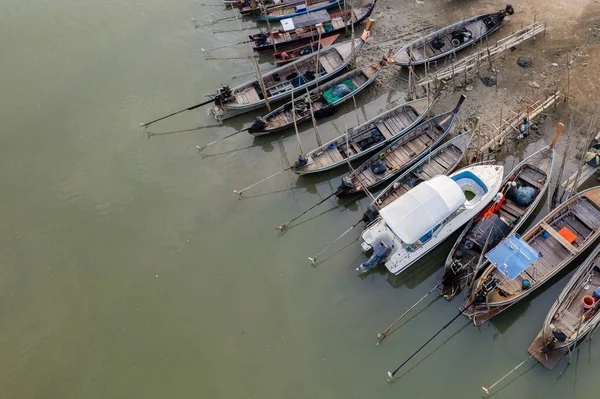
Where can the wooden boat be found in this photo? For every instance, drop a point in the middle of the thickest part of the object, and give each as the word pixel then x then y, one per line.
pixel 254 9
pixel 308 27
pixel 400 154
pixel 497 220
pixel 297 76
pixel 422 218
pixel 295 9
pixel 441 161
pixel 568 322
pixel 518 266
pixel 364 139
pixel 285 57
pixel 450 39
pixel 323 101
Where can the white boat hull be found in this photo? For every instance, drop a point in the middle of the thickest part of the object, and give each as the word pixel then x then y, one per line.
pixel 402 257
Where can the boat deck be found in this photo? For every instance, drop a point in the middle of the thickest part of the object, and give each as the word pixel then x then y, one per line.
pixel 441 163
pixel 568 318
pixel 399 155
pixel 582 218
pixel 425 50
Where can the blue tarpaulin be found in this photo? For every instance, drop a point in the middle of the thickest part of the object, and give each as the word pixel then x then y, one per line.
pixel 512 256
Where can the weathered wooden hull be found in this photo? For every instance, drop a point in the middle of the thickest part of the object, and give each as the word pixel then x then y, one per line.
pixel 230 110
pixel 399 160
pixel 545 154
pixel 422 51
pixel 312 35
pixel 567 315
pixel 312 156
pixel 557 255
pixel 274 18
pixel 330 107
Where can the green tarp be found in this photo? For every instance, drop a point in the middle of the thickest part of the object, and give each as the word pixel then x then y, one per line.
pixel 338 91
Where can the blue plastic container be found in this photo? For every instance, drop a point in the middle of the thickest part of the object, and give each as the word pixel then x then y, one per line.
pixel 596 293
pixel 526 284
pixel 545 235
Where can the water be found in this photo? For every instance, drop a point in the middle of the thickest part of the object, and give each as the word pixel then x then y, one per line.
pixel 129 269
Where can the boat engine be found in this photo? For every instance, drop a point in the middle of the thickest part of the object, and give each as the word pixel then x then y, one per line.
pixel 259 125
pixel 381 251
pixel 370 214
pixel 302 160
pixel 346 187
pixel 223 95
pixel 488 286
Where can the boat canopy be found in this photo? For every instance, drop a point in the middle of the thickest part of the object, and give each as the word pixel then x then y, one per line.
pixel 302 21
pixel 512 256
pixel 422 208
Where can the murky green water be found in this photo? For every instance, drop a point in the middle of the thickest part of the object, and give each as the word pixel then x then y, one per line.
pixel 129 269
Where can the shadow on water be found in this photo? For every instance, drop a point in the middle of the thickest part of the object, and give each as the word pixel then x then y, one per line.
pixel 395 380
pixel 424 267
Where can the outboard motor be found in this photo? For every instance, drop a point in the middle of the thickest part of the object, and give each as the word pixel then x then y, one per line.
pixel 223 95
pixel 258 126
pixel 346 187
pixel 370 214
pixel 262 39
pixel 380 252
pixel 302 160
pixel 488 286
pixel 559 335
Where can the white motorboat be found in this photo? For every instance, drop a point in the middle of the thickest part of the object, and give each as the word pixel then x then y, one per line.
pixel 425 216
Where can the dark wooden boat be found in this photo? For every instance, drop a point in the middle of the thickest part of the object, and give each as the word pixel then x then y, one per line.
pixel 323 100
pixel 441 161
pixel 308 27
pixel 568 322
pixel 295 9
pixel 286 9
pixel 285 57
pixel 496 221
pixel 451 39
pixel 364 139
pixel 297 76
pixel 536 257
pixel 400 154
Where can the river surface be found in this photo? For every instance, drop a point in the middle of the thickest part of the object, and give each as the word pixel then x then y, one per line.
pixel 128 269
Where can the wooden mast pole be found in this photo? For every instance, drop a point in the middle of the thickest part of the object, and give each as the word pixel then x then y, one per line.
pixel 295 124
pixel 264 12
pixel 314 121
pixel 261 81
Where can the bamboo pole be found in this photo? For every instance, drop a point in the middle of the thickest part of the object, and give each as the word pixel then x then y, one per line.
pixel 261 81
pixel 269 25
pixel 314 121
pixel 317 64
pixel 296 125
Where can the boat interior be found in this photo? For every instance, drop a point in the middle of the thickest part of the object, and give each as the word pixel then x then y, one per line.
pixel 556 241
pixel 294 75
pixel 447 39
pixel 439 163
pixel 568 317
pixel 366 137
pixel 402 152
pixel 352 81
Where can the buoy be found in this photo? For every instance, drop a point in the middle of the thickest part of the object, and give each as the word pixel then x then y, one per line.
pixel 588 302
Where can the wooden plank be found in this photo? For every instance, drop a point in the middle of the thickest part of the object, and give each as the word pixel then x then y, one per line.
pixel 558 237
pixel 416 146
